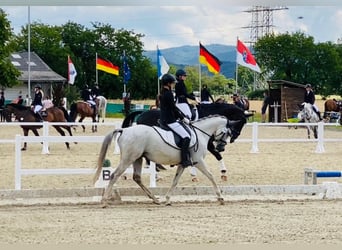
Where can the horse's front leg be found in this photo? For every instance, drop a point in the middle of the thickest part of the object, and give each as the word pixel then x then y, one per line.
pixel 223 170
pixel 211 148
pixel 308 130
pixel 61 132
pixel 203 168
pixel 81 120
pixel 94 127
pixel 25 143
pixel 179 173
pixel 68 128
pixel 137 170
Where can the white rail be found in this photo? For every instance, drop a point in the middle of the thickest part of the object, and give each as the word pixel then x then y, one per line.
pixel 19 171
pixel 255 140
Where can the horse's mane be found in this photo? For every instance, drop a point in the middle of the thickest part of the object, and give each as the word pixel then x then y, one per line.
pixel 18 106
pixel 210 116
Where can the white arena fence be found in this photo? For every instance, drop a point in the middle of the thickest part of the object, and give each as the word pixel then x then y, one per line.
pixel 45 139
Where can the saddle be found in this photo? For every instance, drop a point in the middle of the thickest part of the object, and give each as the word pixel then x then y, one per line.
pixel 174 139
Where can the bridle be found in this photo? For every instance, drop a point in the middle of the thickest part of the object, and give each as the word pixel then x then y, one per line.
pixel 219 138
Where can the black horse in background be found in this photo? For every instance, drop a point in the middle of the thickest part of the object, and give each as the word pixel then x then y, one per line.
pixel 230 111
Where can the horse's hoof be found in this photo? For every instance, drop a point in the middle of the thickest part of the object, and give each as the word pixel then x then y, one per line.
pixel 221 201
pixel 104 204
pixel 23 149
pixel 156 202
pixel 194 179
pixel 224 178
pixel 168 204
pixel 124 177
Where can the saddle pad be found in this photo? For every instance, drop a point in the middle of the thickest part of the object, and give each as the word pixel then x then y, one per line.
pixel 169 136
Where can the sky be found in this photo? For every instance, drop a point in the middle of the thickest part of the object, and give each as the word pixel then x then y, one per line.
pixel 213 22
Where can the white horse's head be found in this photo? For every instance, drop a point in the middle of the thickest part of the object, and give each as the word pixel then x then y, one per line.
pixel 308 113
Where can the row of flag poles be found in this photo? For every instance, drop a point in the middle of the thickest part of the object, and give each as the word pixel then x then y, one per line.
pixel 243 57
pixel 103 65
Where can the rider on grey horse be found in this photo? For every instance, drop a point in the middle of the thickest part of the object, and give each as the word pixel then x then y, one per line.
pixel 309 97
pixel 169 114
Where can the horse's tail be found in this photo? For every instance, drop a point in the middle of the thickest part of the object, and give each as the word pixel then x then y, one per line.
pixel 73 112
pixel 104 148
pixel 127 122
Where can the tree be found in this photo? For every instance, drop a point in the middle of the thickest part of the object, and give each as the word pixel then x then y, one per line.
pixel 8 72
pixel 295 57
pixel 54 43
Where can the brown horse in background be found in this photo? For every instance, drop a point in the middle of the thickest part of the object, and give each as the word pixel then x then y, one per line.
pixel 25 114
pixel 83 109
pixel 332 105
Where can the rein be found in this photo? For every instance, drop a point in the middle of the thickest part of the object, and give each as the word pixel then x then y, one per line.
pixel 219 140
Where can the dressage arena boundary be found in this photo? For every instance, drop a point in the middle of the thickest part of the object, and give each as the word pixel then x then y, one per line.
pixel 328 191
pixel 312 174
pixel 19 171
pixel 45 139
pixel 320 140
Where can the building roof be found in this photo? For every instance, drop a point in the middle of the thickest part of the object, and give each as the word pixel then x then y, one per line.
pixel 40 71
pixel 273 83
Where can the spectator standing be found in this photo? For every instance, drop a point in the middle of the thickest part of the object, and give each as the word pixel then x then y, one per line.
pixel 309 97
pixel 265 103
pixel 205 95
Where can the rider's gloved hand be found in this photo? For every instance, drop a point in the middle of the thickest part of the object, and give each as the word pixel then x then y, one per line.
pixel 186 120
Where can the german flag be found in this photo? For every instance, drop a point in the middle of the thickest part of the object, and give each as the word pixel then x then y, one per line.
pixel 212 62
pixel 107 66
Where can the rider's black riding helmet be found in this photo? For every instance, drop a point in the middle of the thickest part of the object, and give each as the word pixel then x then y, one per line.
pixel 168 78
pixel 180 72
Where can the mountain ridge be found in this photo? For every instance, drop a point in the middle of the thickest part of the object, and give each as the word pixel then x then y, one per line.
pixel 187 55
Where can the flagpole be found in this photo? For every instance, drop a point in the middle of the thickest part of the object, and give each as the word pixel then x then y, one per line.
pixel 200 73
pixel 124 53
pixel 236 68
pixel 96 72
pixel 29 52
pixel 158 82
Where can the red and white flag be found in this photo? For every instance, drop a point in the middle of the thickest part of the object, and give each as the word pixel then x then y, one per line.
pixel 245 58
pixel 72 73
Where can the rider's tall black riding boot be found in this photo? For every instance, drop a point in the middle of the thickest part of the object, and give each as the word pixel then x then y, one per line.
pixel 185 154
pixel 39 116
pixel 319 115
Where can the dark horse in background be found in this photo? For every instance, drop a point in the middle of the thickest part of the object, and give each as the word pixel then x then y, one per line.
pixel 25 114
pixel 332 106
pixel 83 109
pixel 230 111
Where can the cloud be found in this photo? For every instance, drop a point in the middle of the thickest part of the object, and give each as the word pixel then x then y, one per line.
pixel 172 26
